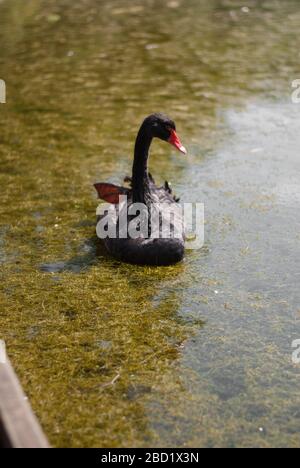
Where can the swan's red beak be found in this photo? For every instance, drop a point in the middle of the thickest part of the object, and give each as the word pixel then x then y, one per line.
pixel 174 140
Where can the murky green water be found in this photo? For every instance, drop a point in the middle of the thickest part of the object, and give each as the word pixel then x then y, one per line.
pixel 113 355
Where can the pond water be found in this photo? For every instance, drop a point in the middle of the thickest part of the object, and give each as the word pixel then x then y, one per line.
pixel 111 355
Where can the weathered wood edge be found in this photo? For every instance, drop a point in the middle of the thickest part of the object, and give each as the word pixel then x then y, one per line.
pixel 19 427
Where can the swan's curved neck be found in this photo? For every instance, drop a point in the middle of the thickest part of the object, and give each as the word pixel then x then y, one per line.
pixel 140 178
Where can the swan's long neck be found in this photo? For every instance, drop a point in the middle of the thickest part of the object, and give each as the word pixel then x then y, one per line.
pixel 140 178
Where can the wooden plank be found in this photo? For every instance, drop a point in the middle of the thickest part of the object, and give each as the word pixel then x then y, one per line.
pixel 19 427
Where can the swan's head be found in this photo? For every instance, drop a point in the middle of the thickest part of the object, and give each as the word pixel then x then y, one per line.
pixel 161 126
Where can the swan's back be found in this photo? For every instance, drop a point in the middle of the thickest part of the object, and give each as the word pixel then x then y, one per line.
pixel 161 239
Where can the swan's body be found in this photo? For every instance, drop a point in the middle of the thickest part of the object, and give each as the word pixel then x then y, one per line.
pixel 151 249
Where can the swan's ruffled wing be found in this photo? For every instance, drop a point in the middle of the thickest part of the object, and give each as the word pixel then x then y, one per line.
pixel 110 192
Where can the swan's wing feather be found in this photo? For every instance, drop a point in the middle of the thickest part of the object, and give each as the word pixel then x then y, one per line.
pixel 110 192
pixel 165 194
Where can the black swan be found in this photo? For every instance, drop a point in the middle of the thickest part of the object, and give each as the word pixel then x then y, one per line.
pixel 147 249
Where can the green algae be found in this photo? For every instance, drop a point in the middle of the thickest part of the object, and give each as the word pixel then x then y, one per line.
pixel 113 355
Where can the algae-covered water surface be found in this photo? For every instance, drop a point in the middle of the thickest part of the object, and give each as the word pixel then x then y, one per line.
pixel 198 354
